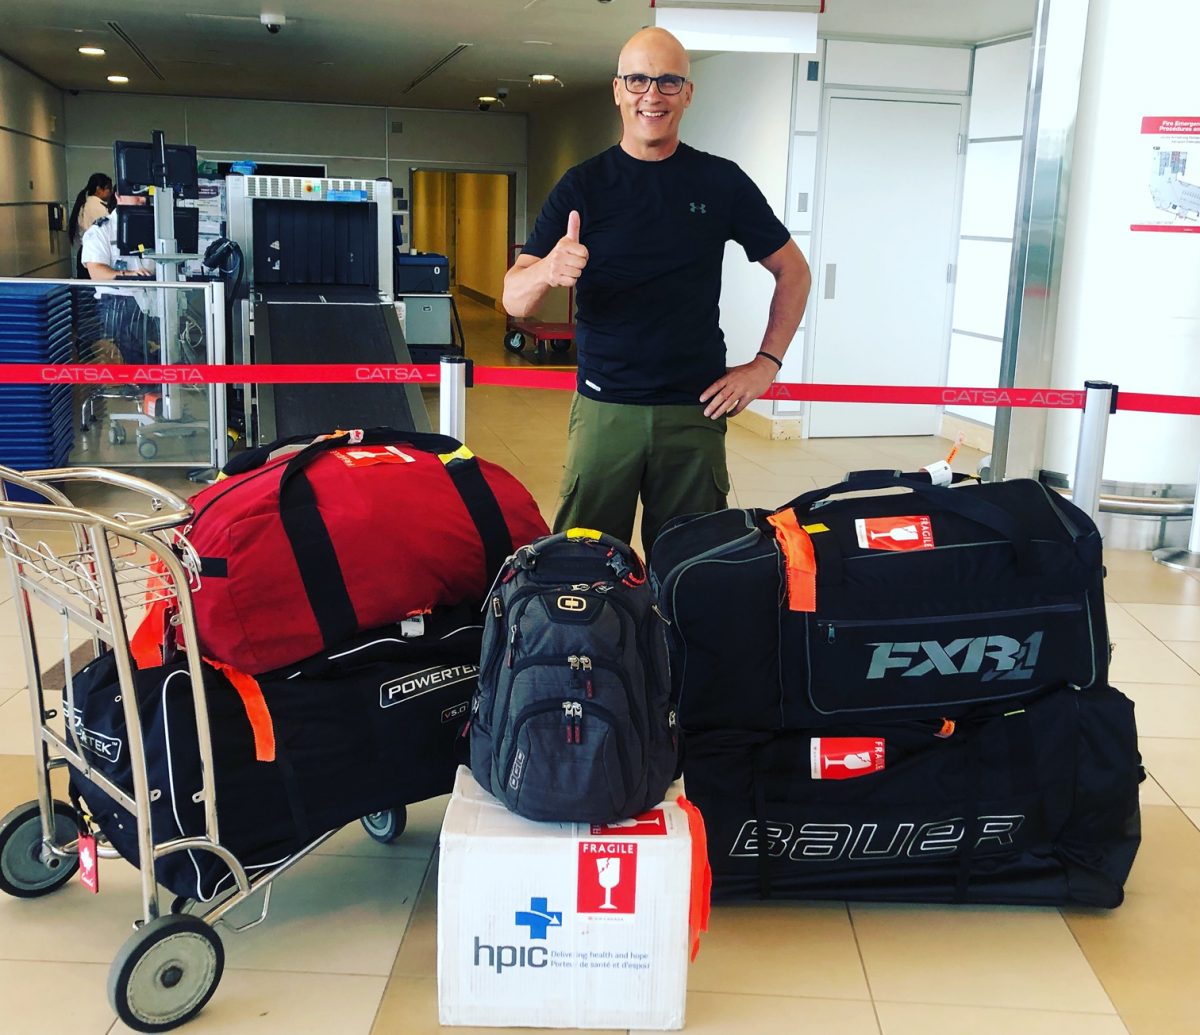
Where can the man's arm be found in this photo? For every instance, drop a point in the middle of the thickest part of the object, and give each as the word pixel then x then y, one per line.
pixel 741 385
pixel 529 280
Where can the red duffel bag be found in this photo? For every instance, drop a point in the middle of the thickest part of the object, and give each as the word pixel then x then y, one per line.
pixel 357 530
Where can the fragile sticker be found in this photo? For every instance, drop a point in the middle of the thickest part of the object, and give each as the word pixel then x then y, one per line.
pixel 367 456
pixel 907 532
pixel 843 758
pixel 607 878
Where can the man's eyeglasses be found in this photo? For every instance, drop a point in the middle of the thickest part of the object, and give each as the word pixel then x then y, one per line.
pixel 668 85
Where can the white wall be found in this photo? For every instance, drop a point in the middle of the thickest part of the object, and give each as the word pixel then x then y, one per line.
pixel 1129 306
pixel 32 174
pixel 999 86
pixel 350 140
pixel 742 110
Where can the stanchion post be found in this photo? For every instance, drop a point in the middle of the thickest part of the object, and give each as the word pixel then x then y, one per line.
pixel 1099 401
pixel 452 397
pixel 1177 557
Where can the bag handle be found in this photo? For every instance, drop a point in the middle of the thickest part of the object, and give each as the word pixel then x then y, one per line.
pixel 622 558
pixel 429 442
pixel 312 546
pixel 945 498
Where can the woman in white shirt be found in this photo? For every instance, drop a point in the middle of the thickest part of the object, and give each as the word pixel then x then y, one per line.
pixel 92 203
pixel 124 313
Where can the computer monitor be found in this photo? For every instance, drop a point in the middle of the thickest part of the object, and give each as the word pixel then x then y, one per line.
pixel 135 226
pixel 134 163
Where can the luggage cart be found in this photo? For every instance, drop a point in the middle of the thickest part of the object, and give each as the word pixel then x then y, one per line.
pixel 111 571
pixel 559 336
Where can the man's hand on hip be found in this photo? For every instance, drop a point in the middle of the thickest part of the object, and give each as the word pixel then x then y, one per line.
pixel 740 386
pixel 568 258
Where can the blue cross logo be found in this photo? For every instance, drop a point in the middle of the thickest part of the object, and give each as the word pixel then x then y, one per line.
pixel 538 919
pixel 697 206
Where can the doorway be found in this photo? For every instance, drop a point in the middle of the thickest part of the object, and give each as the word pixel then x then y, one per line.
pixel 884 285
pixel 468 217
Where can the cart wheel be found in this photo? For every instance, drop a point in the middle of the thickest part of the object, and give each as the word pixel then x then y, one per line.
pixel 514 341
pixel 560 345
pixel 165 972
pixel 23 874
pixel 116 434
pixel 147 448
pixel 387 825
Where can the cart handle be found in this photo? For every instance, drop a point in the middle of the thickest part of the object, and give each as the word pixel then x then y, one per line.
pixel 173 510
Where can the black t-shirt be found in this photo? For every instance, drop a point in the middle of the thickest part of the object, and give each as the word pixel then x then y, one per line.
pixel 647 301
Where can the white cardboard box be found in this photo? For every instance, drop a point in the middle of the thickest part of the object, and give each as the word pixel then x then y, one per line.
pixel 561 924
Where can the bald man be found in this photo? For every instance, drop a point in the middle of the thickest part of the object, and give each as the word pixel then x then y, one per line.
pixel 640 231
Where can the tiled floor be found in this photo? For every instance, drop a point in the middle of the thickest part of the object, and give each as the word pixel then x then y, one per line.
pixel 350 943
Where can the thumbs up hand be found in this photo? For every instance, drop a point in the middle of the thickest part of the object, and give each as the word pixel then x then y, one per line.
pixel 568 258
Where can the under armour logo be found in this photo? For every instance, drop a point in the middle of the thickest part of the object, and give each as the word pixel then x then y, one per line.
pixel 696 206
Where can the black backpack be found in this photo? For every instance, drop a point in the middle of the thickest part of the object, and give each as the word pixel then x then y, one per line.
pixel 573 719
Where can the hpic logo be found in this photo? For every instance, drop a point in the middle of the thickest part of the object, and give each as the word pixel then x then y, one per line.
pixel 538 918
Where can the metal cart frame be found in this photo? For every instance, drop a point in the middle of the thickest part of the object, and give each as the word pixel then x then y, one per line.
pixel 170 966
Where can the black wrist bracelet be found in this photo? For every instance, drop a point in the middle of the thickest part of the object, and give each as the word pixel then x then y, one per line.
pixel 774 359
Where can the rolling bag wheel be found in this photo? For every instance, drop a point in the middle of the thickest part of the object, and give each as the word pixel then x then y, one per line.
pixel 165 972
pixel 560 345
pixel 23 873
pixel 116 434
pixel 147 448
pixel 387 825
pixel 514 341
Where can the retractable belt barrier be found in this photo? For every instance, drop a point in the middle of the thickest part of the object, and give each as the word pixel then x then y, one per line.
pixel 564 380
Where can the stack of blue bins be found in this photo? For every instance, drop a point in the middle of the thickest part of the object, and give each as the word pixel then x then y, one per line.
pixel 36 420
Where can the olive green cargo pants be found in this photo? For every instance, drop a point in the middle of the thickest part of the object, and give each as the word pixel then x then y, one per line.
pixel 672 456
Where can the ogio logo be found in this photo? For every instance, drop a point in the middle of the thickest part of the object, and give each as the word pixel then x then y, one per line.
pixel 827 842
pixel 989 657
pixel 396 691
pixel 571 603
pixel 517 770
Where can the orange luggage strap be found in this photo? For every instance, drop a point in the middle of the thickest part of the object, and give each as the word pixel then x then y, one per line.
pixel 146 647
pixel 700 898
pixel 256 709
pixel 800 560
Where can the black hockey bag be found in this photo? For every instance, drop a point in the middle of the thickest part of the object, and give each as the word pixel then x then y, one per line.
pixel 1027 805
pixel 371 725
pixel 922 603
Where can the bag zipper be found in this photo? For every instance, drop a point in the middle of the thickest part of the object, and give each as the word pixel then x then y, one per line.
pixel 831 625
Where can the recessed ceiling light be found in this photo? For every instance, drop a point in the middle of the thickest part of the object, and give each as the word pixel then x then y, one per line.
pixel 92 51
pixel 118 78
pixel 538 43
pixel 544 77
pixel 488 98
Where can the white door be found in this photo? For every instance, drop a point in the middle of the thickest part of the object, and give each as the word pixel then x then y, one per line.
pixel 883 284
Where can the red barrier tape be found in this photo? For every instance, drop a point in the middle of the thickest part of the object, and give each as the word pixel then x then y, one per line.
pixel 564 380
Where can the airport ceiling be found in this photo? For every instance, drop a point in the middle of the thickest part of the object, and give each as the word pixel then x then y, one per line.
pixel 400 52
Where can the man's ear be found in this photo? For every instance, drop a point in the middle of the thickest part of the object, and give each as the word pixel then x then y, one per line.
pixel 616 91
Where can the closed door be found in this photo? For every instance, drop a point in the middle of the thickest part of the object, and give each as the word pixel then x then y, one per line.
pixel 884 281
